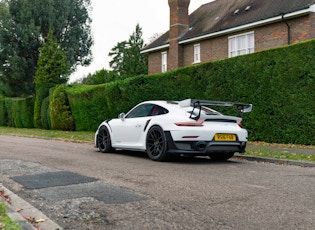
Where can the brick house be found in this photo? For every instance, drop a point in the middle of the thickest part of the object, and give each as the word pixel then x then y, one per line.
pixel 226 28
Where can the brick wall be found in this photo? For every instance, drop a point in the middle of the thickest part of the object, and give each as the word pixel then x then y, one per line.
pixel 155 62
pixel 312 25
pixel 276 35
pixel 210 50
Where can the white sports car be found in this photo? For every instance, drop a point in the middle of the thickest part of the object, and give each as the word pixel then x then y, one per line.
pixel 164 128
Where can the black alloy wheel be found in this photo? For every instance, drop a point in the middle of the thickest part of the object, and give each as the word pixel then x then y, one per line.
pixel 103 140
pixel 156 144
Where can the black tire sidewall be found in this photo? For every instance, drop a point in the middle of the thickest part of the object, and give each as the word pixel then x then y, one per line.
pixel 163 155
pixel 108 146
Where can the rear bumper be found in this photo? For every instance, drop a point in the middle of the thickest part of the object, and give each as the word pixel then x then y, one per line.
pixel 203 148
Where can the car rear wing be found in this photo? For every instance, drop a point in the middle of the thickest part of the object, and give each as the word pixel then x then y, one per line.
pixel 244 108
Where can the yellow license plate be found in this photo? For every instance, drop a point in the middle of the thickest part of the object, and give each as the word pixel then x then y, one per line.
pixel 225 137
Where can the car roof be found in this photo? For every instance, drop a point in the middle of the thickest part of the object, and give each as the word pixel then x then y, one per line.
pixel 163 103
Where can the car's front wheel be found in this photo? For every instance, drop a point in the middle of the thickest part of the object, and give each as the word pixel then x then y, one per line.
pixel 156 144
pixel 220 156
pixel 103 140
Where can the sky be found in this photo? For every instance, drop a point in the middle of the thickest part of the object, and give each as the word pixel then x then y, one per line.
pixel 114 21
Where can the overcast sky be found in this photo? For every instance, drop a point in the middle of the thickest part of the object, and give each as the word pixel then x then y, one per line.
pixel 115 20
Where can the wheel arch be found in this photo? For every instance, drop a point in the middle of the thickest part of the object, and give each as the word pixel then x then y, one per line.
pixel 106 124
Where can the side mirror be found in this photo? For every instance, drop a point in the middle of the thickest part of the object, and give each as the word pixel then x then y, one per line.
pixel 247 108
pixel 122 116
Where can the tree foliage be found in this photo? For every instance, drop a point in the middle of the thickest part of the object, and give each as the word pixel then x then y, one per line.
pixel 53 69
pixel 53 66
pixel 127 60
pixel 24 25
pixel 99 77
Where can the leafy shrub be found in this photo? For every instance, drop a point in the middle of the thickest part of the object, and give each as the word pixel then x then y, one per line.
pixel 3 113
pixel 41 94
pixel 18 112
pixel 60 112
pixel 45 114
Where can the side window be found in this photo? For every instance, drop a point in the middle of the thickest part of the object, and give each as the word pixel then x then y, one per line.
pixel 143 110
pixel 146 110
pixel 158 110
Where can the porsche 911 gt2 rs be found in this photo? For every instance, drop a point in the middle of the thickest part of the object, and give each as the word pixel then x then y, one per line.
pixel 165 128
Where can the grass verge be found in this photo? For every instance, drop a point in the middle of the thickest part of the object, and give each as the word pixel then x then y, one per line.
pixel 5 221
pixel 43 133
pixel 261 149
pixel 281 151
pixel 281 155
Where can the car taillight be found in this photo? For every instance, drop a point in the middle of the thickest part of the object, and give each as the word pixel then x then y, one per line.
pixel 240 124
pixel 190 123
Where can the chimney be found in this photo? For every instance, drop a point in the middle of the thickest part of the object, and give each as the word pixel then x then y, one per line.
pixel 179 22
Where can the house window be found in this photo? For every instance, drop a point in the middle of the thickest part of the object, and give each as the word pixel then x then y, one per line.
pixel 164 62
pixel 197 53
pixel 241 44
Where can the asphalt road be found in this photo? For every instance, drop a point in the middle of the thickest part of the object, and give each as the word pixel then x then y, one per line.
pixel 80 188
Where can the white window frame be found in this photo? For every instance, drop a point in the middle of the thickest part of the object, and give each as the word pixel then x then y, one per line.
pixel 197 53
pixel 241 44
pixel 164 61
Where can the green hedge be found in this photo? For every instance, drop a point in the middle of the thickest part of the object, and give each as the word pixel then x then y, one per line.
pixel 280 83
pixel 41 94
pixel 3 113
pixel 45 114
pixel 17 112
pixel 59 110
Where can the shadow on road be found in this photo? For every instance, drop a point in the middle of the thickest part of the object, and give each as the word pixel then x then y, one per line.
pixel 176 159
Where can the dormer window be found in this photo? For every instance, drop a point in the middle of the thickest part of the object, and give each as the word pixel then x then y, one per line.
pixel 236 12
pixel 248 8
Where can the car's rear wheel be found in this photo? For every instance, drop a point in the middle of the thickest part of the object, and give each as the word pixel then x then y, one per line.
pixel 103 140
pixel 220 156
pixel 156 144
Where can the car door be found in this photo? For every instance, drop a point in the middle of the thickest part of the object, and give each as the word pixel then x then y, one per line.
pixel 127 131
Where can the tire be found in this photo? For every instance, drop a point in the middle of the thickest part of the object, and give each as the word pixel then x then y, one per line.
pixel 103 140
pixel 156 144
pixel 220 156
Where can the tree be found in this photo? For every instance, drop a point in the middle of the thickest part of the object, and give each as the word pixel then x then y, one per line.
pixel 99 77
pixel 53 69
pixel 24 25
pixel 127 60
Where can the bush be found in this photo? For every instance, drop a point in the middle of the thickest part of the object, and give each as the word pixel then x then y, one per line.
pixel 41 94
pixel 45 114
pixel 60 112
pixel 3 113
pixel 17 112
